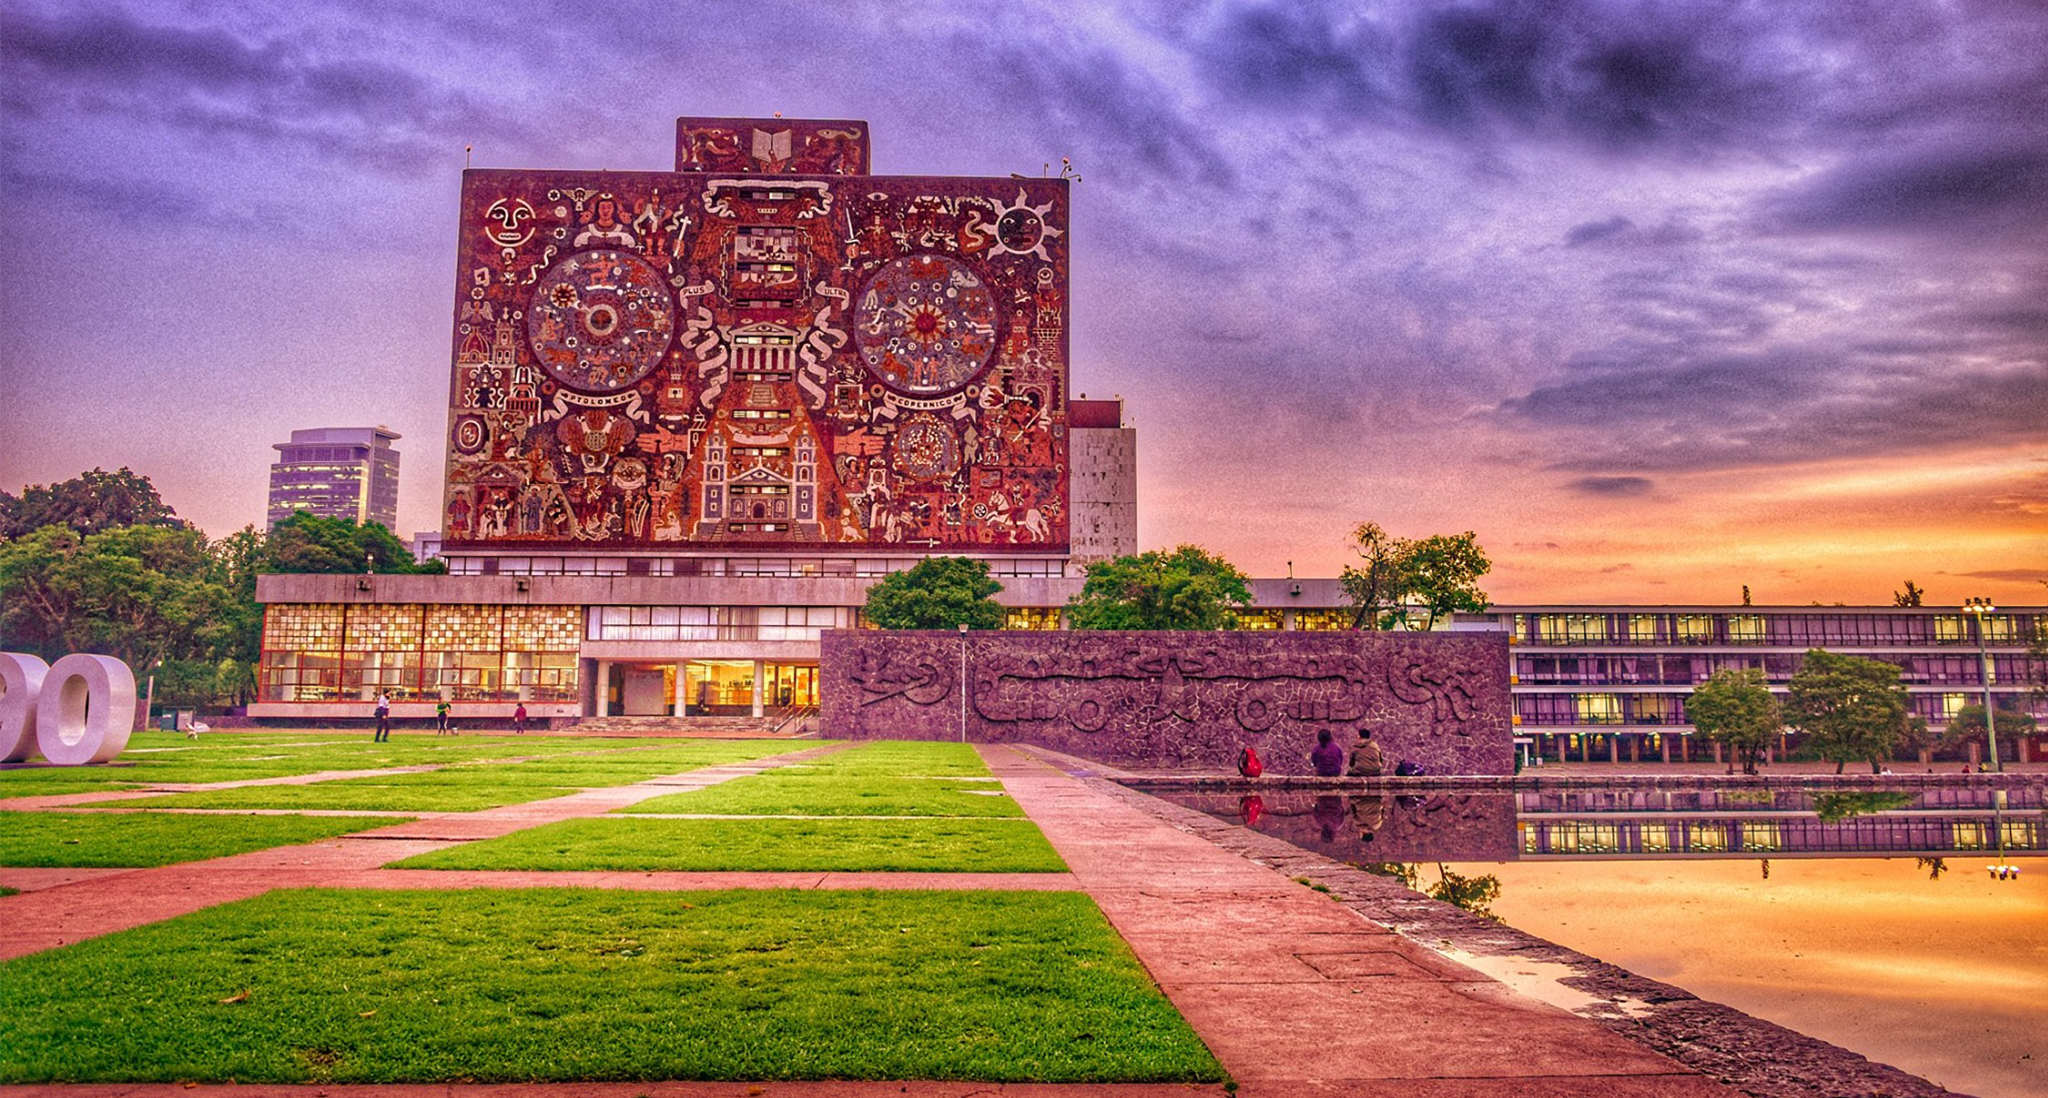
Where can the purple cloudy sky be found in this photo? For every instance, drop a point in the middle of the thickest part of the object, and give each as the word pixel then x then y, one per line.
pixel 1659 298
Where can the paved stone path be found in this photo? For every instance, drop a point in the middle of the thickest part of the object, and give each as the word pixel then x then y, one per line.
pixel 1298 996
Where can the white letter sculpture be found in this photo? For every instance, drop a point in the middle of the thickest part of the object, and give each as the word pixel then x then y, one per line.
pixel 78 711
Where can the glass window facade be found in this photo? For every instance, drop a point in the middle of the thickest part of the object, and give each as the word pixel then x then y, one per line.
pixel 331 653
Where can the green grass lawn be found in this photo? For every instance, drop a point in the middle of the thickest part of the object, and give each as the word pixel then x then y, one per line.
pixel 155 838
pixel 491 985
pixel 771 794
pixel 844 845
pixel 162 757
pixel 360 795
pixel 896 759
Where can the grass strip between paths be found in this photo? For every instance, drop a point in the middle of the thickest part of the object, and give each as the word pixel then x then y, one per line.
pixel 849 845
pixel 772 794
pixel 554 985
pixel 145 839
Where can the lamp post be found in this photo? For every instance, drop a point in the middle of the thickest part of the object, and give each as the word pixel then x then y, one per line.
pixel 1981 609
pixel 963 682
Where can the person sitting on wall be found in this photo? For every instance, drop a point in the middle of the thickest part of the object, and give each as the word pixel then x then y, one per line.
pixel 1367 760
pixel 1327 757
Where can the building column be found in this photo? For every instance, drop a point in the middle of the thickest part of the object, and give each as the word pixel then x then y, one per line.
pixel 604 688
pixel 757 687
pixel 1614 747
pixel 1664 741
pixel 682 685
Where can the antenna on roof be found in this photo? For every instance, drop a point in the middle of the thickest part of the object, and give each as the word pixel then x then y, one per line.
pixel 465 155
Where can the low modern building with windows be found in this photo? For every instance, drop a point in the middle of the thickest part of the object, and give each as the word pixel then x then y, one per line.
pixel 1611 682
pixel 336 472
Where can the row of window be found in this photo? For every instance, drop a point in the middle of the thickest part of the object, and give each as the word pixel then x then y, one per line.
pixel 1572 710
pixel 681 623
pixel 1801 630
pixel 1684 670
pixel 794 567
pixel 414 676
pixel 1761 836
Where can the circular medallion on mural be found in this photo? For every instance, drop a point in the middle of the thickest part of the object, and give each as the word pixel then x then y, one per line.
pixel 925 324
pixel 600 321
pixel 471 434
pixel 927 450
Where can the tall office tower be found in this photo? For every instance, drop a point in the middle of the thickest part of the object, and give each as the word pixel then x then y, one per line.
pixel 340 472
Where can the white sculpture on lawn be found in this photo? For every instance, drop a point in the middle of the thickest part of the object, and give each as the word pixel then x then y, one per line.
pixel 78 711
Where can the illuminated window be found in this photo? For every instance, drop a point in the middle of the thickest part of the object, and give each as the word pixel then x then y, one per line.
pixel 1694 628
pixel 1256 620
pixel 1656 838
pixel 1642 628
pixel 1970 836
pixel 1745 628
pixel 1032 617
pixel 1572 628
pixel 1598 708
pixel 1323 621
pixel 1760 835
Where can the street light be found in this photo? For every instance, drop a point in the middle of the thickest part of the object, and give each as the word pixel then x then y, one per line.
pixel 1980 609
pixel 963 682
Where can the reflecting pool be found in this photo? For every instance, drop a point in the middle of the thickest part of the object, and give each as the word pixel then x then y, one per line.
pixel 1867 918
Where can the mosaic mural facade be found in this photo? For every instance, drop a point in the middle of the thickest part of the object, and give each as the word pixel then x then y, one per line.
pixel 723 358
pixel 1180 699
pixel 795 146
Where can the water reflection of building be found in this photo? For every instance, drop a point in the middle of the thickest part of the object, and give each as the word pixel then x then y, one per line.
pixel 1782 823
pixel 1622 823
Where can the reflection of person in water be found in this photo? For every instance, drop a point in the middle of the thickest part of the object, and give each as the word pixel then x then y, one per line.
pixel 1327 757
pixel 1329 815
pixel 1251 808
pixel 1368 815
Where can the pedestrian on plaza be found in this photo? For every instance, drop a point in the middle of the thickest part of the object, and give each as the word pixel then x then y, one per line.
pixel 441 717
pixel 383 718
pixel 519 718
pixel 1367 760
pixel 1327 757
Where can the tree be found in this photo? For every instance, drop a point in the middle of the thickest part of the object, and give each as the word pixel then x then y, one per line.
pixel 1909 595
pixel 1185 589
pixel 1375 590
pixel 316 543
pixel 1736 709
pixel 936 593
pixel 1443 575
pixel 141 593
pixel 1849 707
pixel 87 504
pixel 1433 576
pixel 1968 725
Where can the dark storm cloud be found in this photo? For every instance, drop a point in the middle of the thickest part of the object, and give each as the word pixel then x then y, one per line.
pixel 1937 190
pixel 1621 487
pixel 1783 406
pixel 205 84
pixel 1115 114
pixel 1614 76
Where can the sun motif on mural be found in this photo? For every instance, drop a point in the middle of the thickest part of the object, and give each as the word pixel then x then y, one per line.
pixel 1022 229
pixel 600 321
pixel 925 324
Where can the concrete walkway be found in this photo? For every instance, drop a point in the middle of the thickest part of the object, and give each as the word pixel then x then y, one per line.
pixel 1298 996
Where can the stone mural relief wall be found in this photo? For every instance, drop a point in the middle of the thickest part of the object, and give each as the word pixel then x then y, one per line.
pixel 755 359
pixel 1180 699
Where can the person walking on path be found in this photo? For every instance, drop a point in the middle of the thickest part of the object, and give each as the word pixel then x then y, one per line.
pixel 441 717
pixel 383 719
pixel 1367 760
pixel 1327 757
pixel 519 718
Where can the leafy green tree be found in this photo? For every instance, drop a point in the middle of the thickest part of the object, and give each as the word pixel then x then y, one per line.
pixel 1968 725
pixel 1185 589
pixel 87 504
pixel 1432 576
pixel 141 593
pixel 1849 707
pixel 936 593
pixel 1474 894
pixel 1443 575
pixel 1736 709
pixel 316 543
